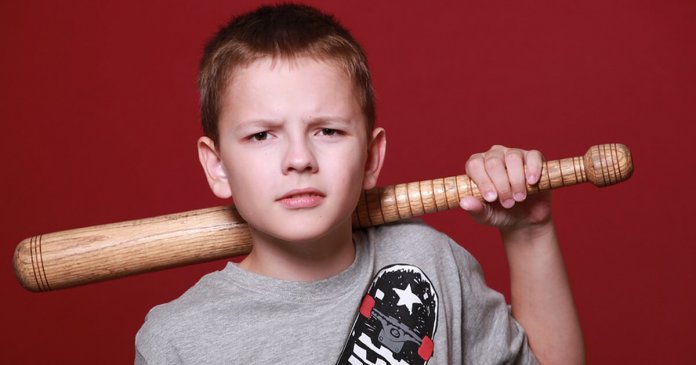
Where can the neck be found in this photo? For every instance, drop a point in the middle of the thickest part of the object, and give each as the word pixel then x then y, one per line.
pixel 309 260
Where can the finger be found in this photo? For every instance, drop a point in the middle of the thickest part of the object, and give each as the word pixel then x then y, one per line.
pixel 533 162
pixel 476 170
pixel 514 163
pixel 495 168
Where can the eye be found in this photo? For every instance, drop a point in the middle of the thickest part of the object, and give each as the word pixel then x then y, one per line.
pixel 260 136
pixel 329 132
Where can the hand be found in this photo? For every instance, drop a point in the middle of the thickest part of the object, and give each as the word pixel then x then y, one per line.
pixel 501 174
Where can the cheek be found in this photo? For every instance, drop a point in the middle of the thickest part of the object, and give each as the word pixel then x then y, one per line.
pixel 250 190
pixel 348 167
pixel 247 173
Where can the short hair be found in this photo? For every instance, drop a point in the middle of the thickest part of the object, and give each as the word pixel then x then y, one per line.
pixel 286 31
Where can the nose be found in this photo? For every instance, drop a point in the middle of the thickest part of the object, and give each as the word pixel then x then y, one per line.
pixel 299 157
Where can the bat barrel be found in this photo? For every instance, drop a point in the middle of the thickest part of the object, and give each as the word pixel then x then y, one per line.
pixel 84 255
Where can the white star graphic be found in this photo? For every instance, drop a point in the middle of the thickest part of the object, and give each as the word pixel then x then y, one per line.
pixel 407 298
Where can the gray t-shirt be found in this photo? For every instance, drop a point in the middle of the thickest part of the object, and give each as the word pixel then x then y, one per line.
pixel 236 317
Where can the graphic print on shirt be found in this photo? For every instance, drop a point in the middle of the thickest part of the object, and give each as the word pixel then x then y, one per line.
pixel 397 320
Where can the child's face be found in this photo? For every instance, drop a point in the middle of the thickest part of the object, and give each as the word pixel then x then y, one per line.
pixel 293 148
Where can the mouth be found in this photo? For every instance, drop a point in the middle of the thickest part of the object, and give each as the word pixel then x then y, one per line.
pixel 301 198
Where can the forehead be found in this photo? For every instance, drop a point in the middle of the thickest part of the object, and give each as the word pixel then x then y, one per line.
pixel 268 66
pixel 301 85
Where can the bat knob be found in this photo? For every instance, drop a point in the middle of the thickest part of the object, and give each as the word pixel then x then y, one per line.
pixel 608 164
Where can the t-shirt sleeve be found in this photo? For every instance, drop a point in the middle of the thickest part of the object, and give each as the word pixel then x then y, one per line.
pixel 151 348
pixel 490 335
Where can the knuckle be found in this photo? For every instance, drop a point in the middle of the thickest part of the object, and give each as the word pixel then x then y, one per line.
pixel 537 154
pixel 484 186
pixel 493 162
pixel 474 157
pixel 513 155
pixel 474 163
pixel 519 187
pixel 497 148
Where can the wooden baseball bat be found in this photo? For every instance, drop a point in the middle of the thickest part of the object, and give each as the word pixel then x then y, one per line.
pixel 84 255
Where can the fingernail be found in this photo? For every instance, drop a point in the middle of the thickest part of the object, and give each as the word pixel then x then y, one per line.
pixel 508 203
pixel 531 179
pixel 520 196
pixel 490 196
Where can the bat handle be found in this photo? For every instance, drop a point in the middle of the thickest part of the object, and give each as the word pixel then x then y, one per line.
pixel 602 165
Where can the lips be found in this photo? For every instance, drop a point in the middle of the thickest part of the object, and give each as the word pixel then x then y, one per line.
pixel 301 198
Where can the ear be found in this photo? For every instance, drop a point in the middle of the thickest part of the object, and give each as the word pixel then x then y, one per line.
pixel 214 169
pixel 375 157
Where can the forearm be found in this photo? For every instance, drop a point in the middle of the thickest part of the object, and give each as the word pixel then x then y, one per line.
pixel 541 297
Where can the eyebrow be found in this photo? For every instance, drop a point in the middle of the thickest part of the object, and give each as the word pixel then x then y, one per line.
pixel 327 119
pixel 271 123
pixel 255 123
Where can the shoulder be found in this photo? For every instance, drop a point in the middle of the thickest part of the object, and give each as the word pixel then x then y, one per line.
pixel 411 234
pixel 409 231
pixel 164 321
pixel 414 238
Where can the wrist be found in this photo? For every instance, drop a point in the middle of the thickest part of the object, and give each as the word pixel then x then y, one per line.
pixel 532 245
pixel 529 233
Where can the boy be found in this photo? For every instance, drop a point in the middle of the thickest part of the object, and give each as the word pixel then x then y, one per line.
pixel 288 113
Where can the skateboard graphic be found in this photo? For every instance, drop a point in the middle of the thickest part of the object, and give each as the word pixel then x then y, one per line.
pixel 396 321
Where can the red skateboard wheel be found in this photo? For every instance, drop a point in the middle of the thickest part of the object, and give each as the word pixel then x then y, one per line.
pixel 426 348
pixel 366 306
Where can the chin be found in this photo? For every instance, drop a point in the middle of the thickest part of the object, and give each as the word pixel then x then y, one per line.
pixel 304 232
pixel 299 235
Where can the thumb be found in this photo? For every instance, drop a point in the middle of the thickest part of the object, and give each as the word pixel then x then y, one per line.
pixel 478 210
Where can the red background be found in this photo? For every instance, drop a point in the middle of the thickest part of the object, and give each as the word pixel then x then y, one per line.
pixel 99 117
